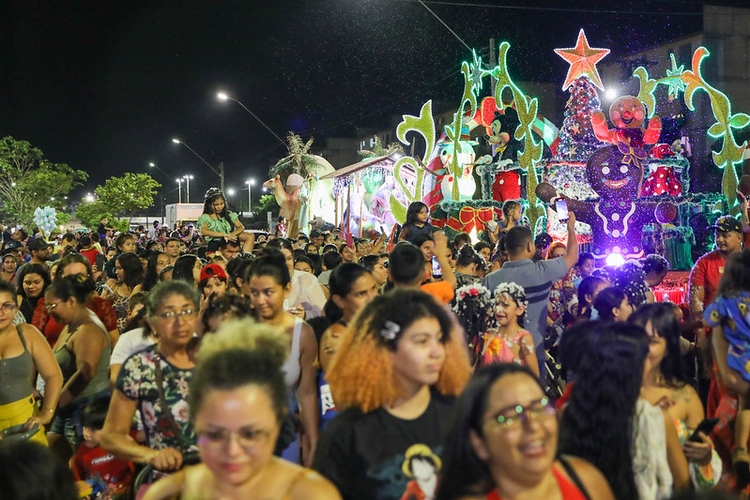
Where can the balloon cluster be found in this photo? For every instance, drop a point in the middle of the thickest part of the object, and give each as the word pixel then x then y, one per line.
pixel 45 219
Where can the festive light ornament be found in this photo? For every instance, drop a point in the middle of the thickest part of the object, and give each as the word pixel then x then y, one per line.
pixel 665 212
pixel 582 59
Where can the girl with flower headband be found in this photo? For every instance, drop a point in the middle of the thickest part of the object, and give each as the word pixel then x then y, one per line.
pixel 394 378
pixel 509 342
pixel 472 306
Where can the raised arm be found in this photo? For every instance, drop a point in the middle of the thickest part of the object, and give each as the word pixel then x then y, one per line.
pixel 571 254
pixel 441 249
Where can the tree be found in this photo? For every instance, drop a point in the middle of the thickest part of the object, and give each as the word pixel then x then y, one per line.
pixel 267 203
pixel 28 180
pixel 121 196
pixel 577 139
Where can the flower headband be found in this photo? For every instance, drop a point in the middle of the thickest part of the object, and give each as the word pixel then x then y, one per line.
pixel 515 290
pixel 473 291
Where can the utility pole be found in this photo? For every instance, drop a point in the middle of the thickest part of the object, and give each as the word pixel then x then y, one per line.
pixel 221 175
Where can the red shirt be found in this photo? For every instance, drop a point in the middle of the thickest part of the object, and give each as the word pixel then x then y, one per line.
pixel 51 329
pixel 90 254
pixel 707 273
pixel 103 470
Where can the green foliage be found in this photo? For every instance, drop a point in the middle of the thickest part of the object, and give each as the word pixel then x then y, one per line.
pixel 91 212
pixel 267 203
pixel 127 194
pixel 28 180
pixel 119 196
pixel 298 161
pixel 378 150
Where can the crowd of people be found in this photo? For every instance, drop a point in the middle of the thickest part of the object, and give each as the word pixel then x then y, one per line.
pixel 309 366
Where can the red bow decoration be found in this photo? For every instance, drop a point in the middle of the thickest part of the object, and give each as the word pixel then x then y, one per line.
pixel 661 151
pixel 470 218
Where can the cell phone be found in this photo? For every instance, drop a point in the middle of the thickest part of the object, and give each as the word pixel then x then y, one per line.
pixel 437 271
pixel 100 261
pixel 706 426
pixel 561 207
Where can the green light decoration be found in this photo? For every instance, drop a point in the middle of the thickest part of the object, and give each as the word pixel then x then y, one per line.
pixel 423 125
pixel 527 114
pixel 674 82
pixel 692 80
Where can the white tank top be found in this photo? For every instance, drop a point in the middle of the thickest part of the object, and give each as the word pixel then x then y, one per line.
pixel 291 366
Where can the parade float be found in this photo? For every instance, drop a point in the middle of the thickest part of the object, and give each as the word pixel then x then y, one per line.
pixel 362 191
pixel 629 188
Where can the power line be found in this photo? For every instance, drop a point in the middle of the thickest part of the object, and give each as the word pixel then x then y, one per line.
pixel 533 7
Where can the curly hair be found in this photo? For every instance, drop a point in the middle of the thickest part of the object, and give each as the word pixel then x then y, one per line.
pixel 241 353
pixel 361 373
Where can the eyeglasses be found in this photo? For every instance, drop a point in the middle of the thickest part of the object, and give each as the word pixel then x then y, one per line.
pixel 9 307
pixel 247 438
pixel 173 315
pixel 513 418
pixel 50 306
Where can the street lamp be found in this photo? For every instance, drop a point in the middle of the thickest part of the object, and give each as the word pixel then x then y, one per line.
pixel 187 182
pixel 153 165
pixel 223 97
pixel 250 183
pixel 219 172
pixel 179 190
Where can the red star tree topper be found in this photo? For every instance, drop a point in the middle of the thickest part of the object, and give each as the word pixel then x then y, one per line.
pixel 582 59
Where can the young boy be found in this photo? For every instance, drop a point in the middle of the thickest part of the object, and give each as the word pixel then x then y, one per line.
pixel 106 474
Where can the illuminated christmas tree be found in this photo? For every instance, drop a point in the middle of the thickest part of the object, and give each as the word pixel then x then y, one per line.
pixel 577 140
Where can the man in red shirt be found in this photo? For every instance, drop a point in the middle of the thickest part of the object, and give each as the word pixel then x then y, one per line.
pixel 704 287
pixel 707 272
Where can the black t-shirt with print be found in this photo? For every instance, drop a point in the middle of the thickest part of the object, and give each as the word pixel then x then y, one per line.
pixel 364 454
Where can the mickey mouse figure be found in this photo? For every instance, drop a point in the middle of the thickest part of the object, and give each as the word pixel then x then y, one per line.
pixel 501 132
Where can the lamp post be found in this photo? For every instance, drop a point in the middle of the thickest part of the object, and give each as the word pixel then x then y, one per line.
pixel 223 97
pixel 250 183
pixel 153 165
pixel 219 172
pixel 179 190
pixel 187 183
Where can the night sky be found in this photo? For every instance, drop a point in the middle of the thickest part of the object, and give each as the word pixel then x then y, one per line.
pixel 105 85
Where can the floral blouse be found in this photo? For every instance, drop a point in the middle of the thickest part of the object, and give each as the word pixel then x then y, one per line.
pixel 137 380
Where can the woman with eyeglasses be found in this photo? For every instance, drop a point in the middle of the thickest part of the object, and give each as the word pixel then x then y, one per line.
pixel 238 399
pixel 395 377
pixel 69 265
pixel 503 444
pixel 155 382
pixel 23 352
pixel 82 351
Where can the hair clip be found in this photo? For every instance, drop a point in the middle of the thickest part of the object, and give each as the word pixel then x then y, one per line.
pixel 390 330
